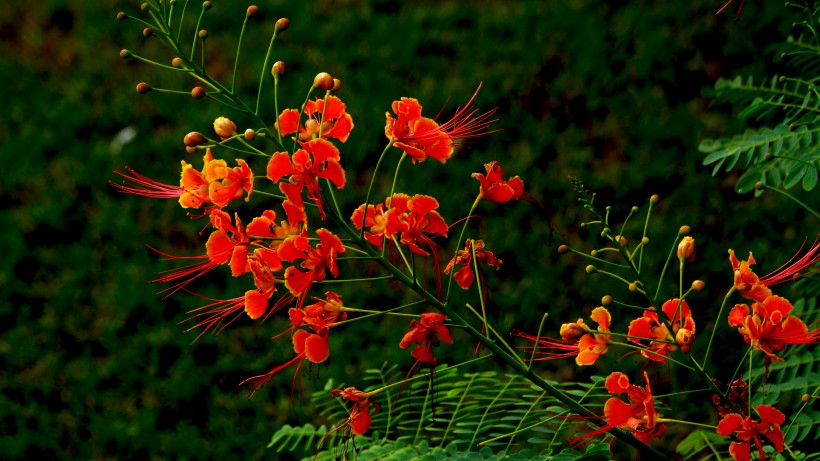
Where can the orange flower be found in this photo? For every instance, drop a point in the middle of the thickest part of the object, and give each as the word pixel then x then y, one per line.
pixel 747 431
pixel 319 315
pixel 651 329
pixel 373 219
pixel 315 260
pixel 317 158
pixel 576 340
pixel 746 282
pixel 426 334
pixel 421 137
pixel 593 345
pixel 308 346
pixel 769 327
pixel 359 420
pixel 465 276
pixel 639 415
pixel 411 219
pixel 330 116
pixel 495 189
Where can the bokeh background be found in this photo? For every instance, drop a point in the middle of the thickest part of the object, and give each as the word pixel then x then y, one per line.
pixel 94 363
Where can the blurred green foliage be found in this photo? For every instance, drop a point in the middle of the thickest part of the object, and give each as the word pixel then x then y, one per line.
pixel 95 365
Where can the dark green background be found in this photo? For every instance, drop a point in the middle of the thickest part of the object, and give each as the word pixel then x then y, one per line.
pixel 94 363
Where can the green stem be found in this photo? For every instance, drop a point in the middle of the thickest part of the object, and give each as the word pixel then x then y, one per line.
pixel 238 49
pixel 262 79
pixel 717 322
pixel 793 198
pixel 370 189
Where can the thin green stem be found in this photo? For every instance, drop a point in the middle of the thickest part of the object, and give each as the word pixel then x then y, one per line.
pixel 370 188
pixel 666 264
pixel 458 243
pixel 497 335
pixel 643 349
pixel 717 322
pixel 793 198
pixel 377 313
pixel 262 77
pixel 487 411
pixel 688 423
pixel 196 34
pixel 598 259
pixel 181 18
pixel 537 339
pixel 238 50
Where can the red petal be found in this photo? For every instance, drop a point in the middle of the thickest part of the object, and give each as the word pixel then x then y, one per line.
pixel 256 303
pixel 279 166
pixel 289 121
pixel 317 349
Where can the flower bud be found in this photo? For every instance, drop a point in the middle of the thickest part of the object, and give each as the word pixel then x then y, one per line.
pixel 645 241
pixel 337 85
pixel 144 6
pixel 621 240
pixel 203 34
pixel 206 5
pixel 147 32
pixel 224 127
pixel 633 286
pixel 125 54
pixel 571 332
pixel 563 249
pixel 250 135
pixel 194 139
pixel 635 209
pixel 684 230
pixel 121 16
pixel 278 68
pixel 591 269
pixel 143 88
pixel 698 285
pixel 805 398
pixel 686 249
pixel 606 300
pixel 198 93
pixel 252 10
pixel 282 24
pixel 655 198
pixel 323 81
pixel 190 150
pixel 684 339
pixel 176 62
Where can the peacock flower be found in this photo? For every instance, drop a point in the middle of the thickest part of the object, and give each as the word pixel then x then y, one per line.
pixel 359 420
pixel 493 186
pixel 749 430
pixel 422 137
pixel 315 261
pixel 413 220
pixel 747 282
pixel 650 332
pixel 224 128
pixel 769 327
pixel 317 158
pixel 466 276
pixel 639 415
pixel 325 119
pixel 577 340
pixel 593 345
pixel 426 333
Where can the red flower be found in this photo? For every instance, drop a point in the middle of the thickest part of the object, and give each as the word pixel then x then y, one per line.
pixel 592 345
pixel 465 276
pixel 317 158
pixel 308 346
pixel 768 327
pixel 359 420
pixel 748 430
pixel 426 334
pixel 319 315
pixel 495 189
pixel 421 137
pixel 746 282
pixel 576 340
pixel 315 260
pixel 411 219
pixel 330 116
pixel 651 329
pixel 373 219
pixel 216 184
pixel 639 414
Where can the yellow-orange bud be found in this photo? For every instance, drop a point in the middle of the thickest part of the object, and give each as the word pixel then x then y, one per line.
pixel 698 285
pixel 203 34
pixel 606 300
pixel 224 127
pixel 684 230
pixel 277 69
pixel 250 135
pixel 143 88
pixel 323 81
pixel 563 249
pixel 337 84
pixel 684 338
pixel 686 249
pixel 571 332
pixel 176 62
pixel 252 10
pixel 194 139
pixel 282 24
pixel 198 93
